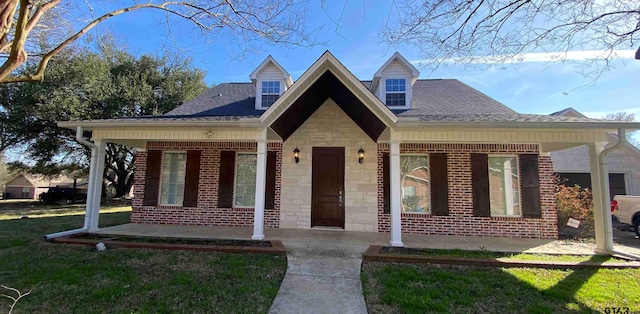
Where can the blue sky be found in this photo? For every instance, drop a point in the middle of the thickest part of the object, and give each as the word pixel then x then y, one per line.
pixel 529 87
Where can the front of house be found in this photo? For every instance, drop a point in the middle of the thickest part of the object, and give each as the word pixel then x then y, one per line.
pixel 395 154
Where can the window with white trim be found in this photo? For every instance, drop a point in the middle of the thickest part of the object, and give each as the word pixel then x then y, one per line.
pixel 396 92
pixel 270 92
pixel 25 192
pixel 504 186
pixel 245 187
pixel 414 174
pixel 174 168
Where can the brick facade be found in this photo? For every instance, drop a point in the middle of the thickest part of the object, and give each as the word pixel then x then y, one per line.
pixel 460 220
pixel 207 212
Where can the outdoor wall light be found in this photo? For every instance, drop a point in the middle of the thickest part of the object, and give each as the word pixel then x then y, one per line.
pixel 360 155
pixel 296 154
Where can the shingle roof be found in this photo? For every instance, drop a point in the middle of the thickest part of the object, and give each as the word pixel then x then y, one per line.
pixel 227 99
pixel 440 100
pixel 429 97
pixel 450 96
pixel 568 112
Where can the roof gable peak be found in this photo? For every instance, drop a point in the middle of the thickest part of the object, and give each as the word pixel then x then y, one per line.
pixel 397 56
pixel 568 112
pixel 270 60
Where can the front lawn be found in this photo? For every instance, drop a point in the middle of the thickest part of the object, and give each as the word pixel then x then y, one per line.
pixel 78 279
pixel 408 288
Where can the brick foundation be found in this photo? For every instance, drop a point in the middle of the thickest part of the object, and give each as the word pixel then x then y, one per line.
pixel 461 220
pixel 207 212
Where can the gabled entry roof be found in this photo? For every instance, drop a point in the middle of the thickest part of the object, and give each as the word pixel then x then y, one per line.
pixel 327 86
pixel 328 78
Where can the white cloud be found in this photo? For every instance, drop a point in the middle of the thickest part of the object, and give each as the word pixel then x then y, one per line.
pixel 578 55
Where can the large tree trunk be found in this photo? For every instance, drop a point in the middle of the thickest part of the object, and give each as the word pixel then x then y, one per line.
pixel 119 168
pixel 123 187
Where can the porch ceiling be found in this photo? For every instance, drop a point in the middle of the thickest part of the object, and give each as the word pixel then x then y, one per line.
pixel 325 87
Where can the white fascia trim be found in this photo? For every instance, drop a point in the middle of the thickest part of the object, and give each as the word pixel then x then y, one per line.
pixel 89 125
pixel 286 77
pixel 416 122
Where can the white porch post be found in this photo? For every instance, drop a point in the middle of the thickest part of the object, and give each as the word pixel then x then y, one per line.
pixel 396 198
pixel 261 172
pixel 89 201
pixel 600 191
pixel 95 185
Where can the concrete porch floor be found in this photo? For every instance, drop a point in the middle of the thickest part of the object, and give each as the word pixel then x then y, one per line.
pixel 316 236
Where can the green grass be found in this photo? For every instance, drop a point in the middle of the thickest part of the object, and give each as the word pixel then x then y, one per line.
pixel 56 211
pixel 407 288
pixel 506 256
pixel 78 279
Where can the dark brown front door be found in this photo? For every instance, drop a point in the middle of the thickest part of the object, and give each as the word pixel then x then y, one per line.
pixel 327 196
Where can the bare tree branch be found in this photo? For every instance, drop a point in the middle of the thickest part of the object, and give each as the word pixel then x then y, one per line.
pixel 275 22
pixel 486 32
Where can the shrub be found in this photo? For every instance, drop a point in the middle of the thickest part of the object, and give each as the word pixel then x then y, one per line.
pixel 577 203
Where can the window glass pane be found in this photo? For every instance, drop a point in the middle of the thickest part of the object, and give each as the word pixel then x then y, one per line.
pixel 271 87
pixel 415 184
pixel 395 85
pixel 174 166
pixel 504 186
pixel 245 189
pixel 268 100
pixel 396 99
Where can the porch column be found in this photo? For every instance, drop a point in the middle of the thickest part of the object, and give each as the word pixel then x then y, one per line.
pixel 95 186
pixel 396 197
pixel 89 200
pixel 261 172
pixel 600 192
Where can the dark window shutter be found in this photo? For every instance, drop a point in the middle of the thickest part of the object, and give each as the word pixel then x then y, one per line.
pixel 270 185
pixel 225 183
pixel 480 185
pixel 192 179
pixel 530 186
pixel 386 184
pixel 439 184
pixel 152 178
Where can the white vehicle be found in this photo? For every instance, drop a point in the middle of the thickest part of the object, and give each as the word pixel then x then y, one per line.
pixel 627 209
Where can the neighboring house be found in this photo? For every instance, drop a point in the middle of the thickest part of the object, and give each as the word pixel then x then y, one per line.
pixel 394 154
pixel 26 186
pixel 572 164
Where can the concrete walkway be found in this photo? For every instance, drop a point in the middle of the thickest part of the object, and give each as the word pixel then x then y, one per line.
pixel 321 278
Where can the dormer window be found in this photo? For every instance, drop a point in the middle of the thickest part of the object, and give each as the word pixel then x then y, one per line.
pixel 270 92
pixel 393 82
pixel 271 81
pixel 396 92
